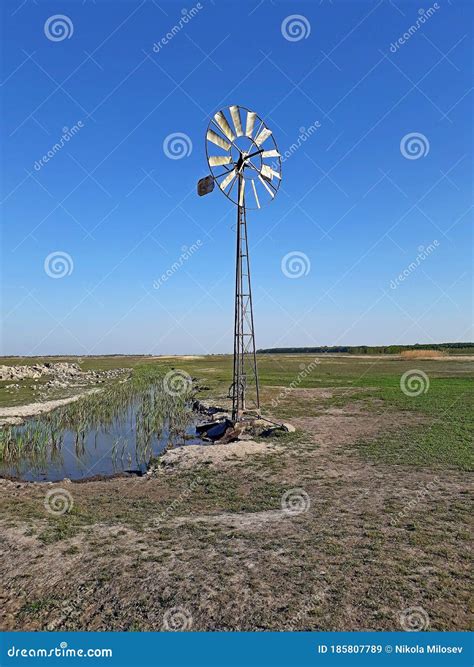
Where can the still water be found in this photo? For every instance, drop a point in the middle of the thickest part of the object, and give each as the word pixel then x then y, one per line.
pixel 100 452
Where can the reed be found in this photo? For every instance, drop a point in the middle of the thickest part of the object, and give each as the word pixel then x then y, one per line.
pixel 138 406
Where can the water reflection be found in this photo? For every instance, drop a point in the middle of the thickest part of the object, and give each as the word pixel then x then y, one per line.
pixel 115 431
pixel 118 448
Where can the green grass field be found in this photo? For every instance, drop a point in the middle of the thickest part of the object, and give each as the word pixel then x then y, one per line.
pixel 386 528
pixel 444 439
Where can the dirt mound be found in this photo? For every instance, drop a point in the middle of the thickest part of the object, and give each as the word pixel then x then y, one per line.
pixel 185 458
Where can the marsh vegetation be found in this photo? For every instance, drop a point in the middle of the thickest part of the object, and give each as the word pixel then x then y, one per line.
pixel 108 431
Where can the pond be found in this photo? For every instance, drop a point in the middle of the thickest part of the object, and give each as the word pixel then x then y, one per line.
pixel 118 430
pixel 103 452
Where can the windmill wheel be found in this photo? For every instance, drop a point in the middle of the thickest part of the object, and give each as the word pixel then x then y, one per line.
pixel 239 146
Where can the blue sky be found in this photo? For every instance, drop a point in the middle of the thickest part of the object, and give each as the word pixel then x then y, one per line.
pixel 357 210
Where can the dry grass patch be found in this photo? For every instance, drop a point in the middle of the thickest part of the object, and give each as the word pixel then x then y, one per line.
pixel 423 354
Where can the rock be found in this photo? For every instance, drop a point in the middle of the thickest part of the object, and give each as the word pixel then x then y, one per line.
pixel 60 374
pixel 202 428
pixel 259 423
pixel 235 432
pixel 219 416
pixel 244 436
pixel 206 408
pixel 289 428
pixel 213 430
pixel 134 472
pixel 269 431
pixel 218 430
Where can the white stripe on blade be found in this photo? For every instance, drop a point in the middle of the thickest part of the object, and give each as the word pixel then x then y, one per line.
pixel 235 113
pixel 216 160
pixel 267 187
pixel 272 153
pixel 263 136
pixel 251 116
pixel 255 193
pixel 227 179
pixel 216 139
pixel 221 120
pixel 268 172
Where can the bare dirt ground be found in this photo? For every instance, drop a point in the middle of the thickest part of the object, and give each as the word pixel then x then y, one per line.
pixel 215 456
pixel 302 533
pixel 180 357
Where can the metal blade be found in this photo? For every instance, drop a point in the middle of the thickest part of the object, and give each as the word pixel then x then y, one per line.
pixel 268 172
pixel 227 179
pixel 216 139
pixel 272 153
pixel 242 188
pixel 221 120
pixel 255 193
pixel 235 113
pixel 251 116
pixel 216 160
pixel 267 187
pixel 263 136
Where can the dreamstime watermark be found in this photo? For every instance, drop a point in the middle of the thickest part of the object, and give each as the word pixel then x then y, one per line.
pixel 177 502
pixel 414 619
pixel 295 501
pixel 295 264
pixel 186 17
pixel 58 501
pixel 423 16
pixel 61 651
pixel 423 253
pixel 305 133
pixel 177 383
pixel 177 619
pixel 58 264
pixel 306 369
pixel 414 383
pixel 177 145
pixel 420 495
pixel 295 28
pixel 67 135
pixel 414 145
pixel 186 254
pixel 58 27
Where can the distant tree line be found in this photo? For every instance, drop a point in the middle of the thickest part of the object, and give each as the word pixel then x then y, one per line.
pixel 370 349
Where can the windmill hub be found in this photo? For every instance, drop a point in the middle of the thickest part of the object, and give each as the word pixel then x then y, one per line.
pixel 243 168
